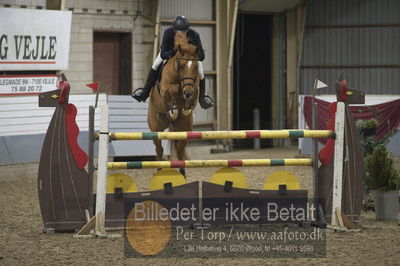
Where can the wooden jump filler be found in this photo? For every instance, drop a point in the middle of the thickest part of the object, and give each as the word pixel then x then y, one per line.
pixel 63 184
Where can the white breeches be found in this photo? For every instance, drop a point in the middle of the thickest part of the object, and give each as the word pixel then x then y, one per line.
pixel 200 68
pixel 158 61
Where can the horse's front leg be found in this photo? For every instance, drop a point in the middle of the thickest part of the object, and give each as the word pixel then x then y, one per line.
pixel 183 124
pixel 173 111
pixel 188 107
pixel 157 123
pixel 172 101
pixel 181 153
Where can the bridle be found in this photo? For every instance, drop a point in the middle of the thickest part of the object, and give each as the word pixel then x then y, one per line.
pixel 182 79
pixel 186 94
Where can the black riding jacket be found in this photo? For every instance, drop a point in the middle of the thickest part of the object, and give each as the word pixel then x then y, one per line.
pixel 167 45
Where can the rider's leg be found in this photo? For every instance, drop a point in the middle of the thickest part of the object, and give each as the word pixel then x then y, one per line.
pixel 141 94
pixel 204 100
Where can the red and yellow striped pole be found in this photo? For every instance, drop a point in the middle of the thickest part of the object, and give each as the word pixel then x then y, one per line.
pixel 235 134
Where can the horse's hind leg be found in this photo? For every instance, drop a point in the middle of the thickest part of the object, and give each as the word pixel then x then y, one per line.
pixel 158 143
pixel 159 149
pixel 180 149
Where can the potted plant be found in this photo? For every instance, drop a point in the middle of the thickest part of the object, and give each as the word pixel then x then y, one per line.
pixel 384 180
pixel 368 127
pixel 367 130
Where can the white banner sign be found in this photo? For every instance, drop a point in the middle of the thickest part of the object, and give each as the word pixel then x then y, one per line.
pixel 27 85
pixel 34 39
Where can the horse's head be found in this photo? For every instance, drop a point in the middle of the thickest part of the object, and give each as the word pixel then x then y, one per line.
pixel 186 65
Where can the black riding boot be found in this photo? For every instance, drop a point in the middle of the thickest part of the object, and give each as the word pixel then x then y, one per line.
pixel 204 100
pixel 142 94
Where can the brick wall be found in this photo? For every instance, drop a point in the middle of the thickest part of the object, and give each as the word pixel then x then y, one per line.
pixel 90 15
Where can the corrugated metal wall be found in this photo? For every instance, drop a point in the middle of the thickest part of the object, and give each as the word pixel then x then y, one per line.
pixel 359 37
pixel 193 9
pixel 197 11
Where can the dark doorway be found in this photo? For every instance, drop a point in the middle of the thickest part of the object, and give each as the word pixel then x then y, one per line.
pixel 252 75
pixel 112 63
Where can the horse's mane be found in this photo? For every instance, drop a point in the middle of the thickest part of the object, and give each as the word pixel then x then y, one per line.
pixel 182 41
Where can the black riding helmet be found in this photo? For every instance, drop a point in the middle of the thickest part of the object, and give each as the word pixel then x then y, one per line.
pixel 181 23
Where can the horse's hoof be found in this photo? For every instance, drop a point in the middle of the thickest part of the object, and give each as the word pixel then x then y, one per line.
pixel 183 172
pixel 186 112
pixel 173 114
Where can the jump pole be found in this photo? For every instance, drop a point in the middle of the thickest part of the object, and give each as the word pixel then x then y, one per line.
pixel 91 167
pixel 209 163
pixel 102 173
pixel 235 134
pixel 338 164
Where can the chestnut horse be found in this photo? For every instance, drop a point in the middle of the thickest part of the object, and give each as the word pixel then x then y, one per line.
pixel 171 104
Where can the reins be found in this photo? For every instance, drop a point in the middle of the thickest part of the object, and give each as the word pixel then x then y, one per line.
pixel 185 78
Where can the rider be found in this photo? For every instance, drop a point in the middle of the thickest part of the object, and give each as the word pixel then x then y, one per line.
pixel 181 23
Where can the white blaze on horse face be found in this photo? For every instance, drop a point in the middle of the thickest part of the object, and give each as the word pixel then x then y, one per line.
pixel 189 64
